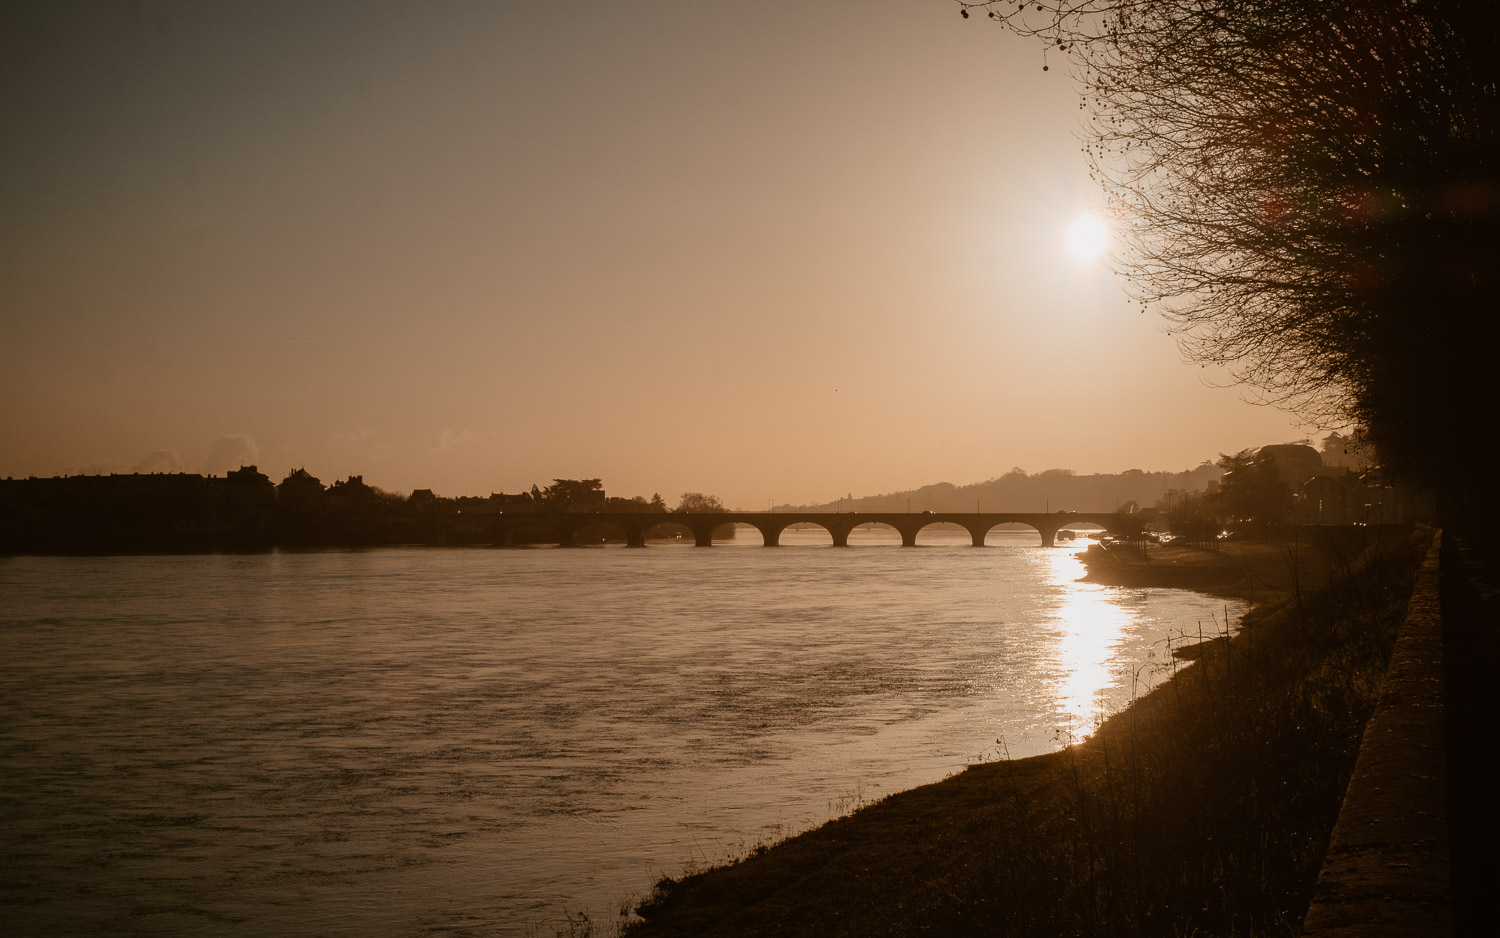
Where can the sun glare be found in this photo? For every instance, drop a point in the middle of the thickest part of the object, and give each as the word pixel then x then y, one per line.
pixel 1087 237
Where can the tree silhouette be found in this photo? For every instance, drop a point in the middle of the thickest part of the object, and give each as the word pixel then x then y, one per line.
pixel 698 503
pixel 1252 489
pixel 566 492
pixel 1308 191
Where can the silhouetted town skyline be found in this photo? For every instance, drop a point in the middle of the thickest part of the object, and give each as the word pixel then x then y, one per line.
pixel 244 509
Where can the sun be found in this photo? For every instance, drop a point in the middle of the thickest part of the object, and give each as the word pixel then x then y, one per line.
pixel 1087 237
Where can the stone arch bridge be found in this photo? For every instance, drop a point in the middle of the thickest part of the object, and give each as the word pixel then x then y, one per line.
pixel 771 524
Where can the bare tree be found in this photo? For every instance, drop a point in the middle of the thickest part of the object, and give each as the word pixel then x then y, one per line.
pixel 1308 192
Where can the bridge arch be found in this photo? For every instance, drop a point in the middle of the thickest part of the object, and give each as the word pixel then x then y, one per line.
pixel 1081 529
pixel 935 531
pixel 666 529
pixel 1015 529
pixel 598 530
pixel 872 533
pixel 809 533
pixel 772 527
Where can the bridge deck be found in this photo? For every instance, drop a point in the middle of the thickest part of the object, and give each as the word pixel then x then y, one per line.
pixel 838 524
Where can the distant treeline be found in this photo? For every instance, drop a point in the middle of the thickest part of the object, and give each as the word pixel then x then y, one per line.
pixel 149 512
pixel 1272 484
pixel 1053 489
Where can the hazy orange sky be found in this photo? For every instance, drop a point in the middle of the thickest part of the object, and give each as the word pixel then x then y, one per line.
pixel 772 250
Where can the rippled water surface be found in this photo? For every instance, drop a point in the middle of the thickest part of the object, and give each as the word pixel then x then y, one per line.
pixel 465 742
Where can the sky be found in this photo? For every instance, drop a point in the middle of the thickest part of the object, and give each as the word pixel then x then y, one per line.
pixel 776 251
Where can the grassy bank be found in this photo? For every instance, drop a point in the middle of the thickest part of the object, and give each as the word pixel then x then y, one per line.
pixel 1205 807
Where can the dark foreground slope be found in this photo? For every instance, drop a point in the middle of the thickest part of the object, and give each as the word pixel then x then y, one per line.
pixel 1205 807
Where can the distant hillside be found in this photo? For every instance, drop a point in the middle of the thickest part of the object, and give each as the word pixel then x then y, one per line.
pixel 1051 490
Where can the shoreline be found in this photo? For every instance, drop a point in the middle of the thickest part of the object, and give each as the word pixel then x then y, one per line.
pixel 1278 564
pixel 1081 840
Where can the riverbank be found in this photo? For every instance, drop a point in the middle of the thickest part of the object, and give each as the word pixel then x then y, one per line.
pixel 1206 806
pixel 1268 568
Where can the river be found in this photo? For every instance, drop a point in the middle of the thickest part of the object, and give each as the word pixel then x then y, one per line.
pixel 480 742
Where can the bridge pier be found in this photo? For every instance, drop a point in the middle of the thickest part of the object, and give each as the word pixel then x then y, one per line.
pixel 770 532
pixel 977 537
pixel 635 537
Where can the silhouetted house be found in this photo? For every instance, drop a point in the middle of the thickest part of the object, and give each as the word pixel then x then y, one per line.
pixel 1327 499
pixel 351 495
pixel 250 478
pixel 522 502
pixel 251 499
pixel 1385 500
pixel 474 505
pixel 1294 462
pixel 300 491
pixel 421 498
pixel 1339 496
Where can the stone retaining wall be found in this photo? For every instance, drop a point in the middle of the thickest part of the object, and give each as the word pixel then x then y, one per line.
pixel 1387 868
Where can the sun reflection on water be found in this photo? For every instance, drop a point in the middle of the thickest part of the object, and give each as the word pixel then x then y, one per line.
pixel 1090 623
